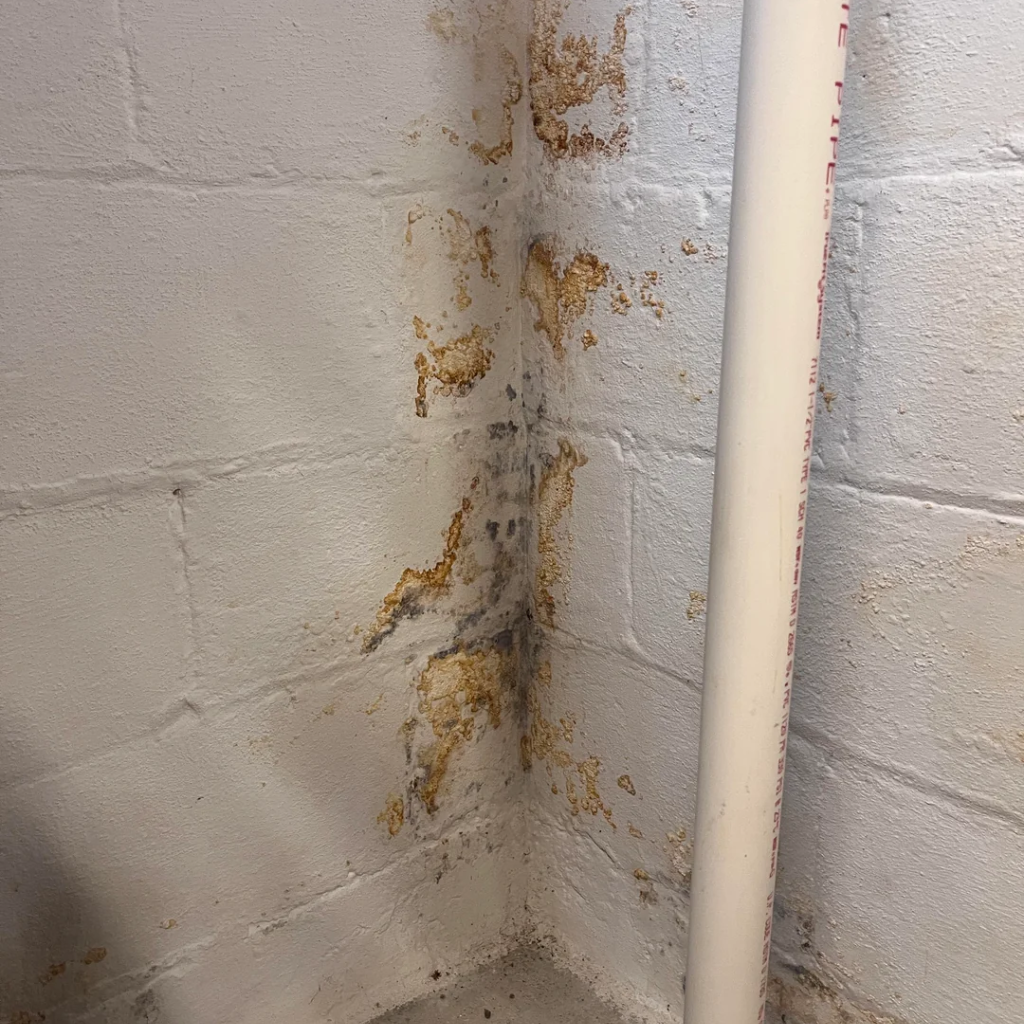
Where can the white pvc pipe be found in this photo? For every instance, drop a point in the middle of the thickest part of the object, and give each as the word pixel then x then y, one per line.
pixel 790 92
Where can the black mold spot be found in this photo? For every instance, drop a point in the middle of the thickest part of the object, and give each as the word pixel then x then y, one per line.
pixel 510 530
pixel 511 392
pixel 492 529
pixel 499 431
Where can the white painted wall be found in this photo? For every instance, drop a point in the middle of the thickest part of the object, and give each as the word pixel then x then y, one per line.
pixel 901 899
pixel 219 223
pixel 229 232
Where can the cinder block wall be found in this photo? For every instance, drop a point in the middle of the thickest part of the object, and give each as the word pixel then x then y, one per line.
pixel 358 389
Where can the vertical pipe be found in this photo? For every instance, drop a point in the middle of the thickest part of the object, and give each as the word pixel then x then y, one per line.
pixel 790 92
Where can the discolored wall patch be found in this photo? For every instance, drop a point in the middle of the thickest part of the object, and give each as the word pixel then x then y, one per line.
pixel 549 742
pixel 454 367
pixel 455 687
pixel 559 296
pixel 569 73
pixel 416 586
pixel 553 500
pixel 393 815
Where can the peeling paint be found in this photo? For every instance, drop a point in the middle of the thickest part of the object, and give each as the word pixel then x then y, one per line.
pixel 568 73
pixel 418 585
pixel 554 499
pixel 561 297
pixel 455 366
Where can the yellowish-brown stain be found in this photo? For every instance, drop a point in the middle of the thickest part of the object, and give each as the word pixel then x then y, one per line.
pixel 689 249
pixel 393 815
pixel 488 53
pixel 680 851
pixel 568 73
pixel 695 608
pixel 554 498
pixel 52 972
pixel 640 875
pixel 169 924
pixel 328 709
pixel 373 708
pixel 634 831
pixel 26 1017
pixel 455 366
pixel 94 955
pixel 512 93
pixel 467 245
pixel 647 297
pixel 829 397
pixel 417 585
pixel 561 297
pixel 626 783
pixel 543 742
pixel 454 688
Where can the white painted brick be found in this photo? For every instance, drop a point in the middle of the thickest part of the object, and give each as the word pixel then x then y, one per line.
pixel 935 392
pixel 149 325
pixel 289 568
pixel 689 102
pixel 930 88
pixel 368 93
pixel 226 826
pixel 649 376
pixel 94 630
pixel 671 534
pixel 901 884
pixel 63 87
pixel 909 640
pixel 622 930
pixel 591 539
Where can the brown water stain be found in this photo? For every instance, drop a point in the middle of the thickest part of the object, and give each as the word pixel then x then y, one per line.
pixel 393 814
pixel 695 608
pixel 454 688
pixel 512 93
pixel 561 297
pixel 547 741
pixel 568 73
pixel 626 783
pixel 554 499
pixel 94 955
pixel 455 366
pixel 52 972
pixel 415 586
pixel 802 996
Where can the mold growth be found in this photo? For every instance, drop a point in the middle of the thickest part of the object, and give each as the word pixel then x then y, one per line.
pixel 554 499
pixel 512 93
pixel 546 741
pixel 569 73
pixel 393 814
pixel 802 996
pixel 466 245
pixel 416 586
pixel 454 688
pixel 561 297
pixel 497 116
pixel 455 366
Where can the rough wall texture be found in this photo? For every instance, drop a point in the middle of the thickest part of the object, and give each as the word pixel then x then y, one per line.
pixel 359 391
pixel 262 521
pixel 900 900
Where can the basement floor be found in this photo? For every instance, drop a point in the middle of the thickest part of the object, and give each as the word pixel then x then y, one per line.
pixel 524 987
